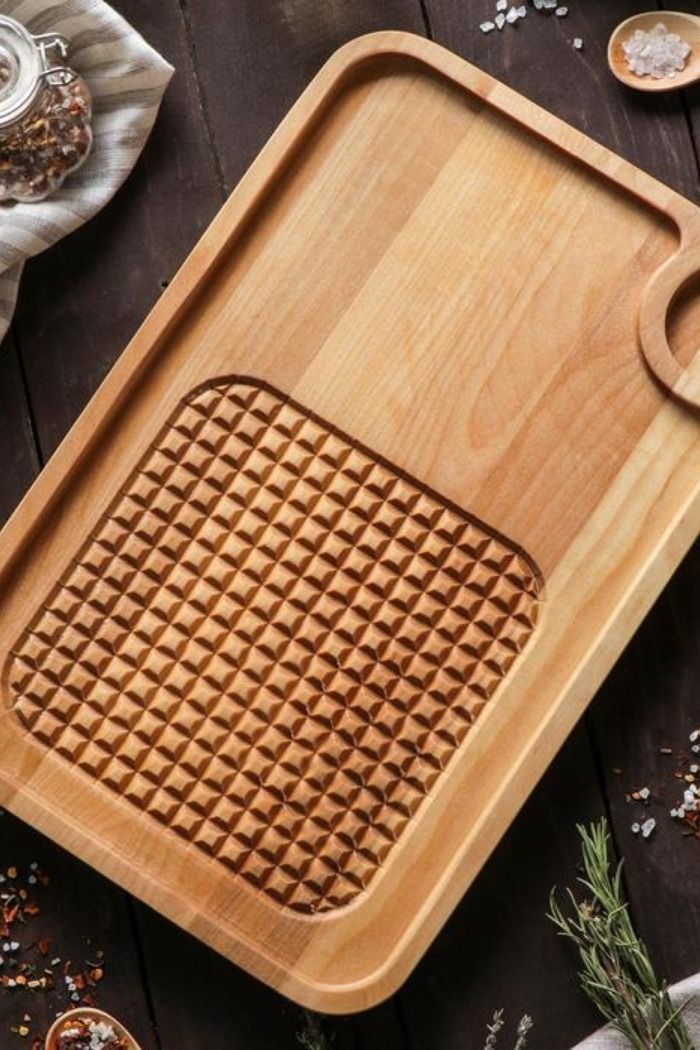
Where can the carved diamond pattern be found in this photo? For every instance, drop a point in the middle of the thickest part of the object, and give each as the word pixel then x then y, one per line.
pixel 274 643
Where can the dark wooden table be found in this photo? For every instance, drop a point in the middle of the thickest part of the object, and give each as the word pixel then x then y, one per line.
pixel 240 65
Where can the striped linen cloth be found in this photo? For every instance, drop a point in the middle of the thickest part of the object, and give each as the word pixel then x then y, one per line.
pixel 687 991
pixel 127 79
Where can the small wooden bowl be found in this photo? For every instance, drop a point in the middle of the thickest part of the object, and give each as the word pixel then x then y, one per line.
pixel 94 1015
pixel 687 26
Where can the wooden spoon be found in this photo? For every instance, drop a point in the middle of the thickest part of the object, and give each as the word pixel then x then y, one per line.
pixel 686 26
pixel 94 1015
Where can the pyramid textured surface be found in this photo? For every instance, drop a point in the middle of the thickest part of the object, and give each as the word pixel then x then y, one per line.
pixel 273 643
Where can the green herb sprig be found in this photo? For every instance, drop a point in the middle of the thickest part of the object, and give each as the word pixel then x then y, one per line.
pixel 617 972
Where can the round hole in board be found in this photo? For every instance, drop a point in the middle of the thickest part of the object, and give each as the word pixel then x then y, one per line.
pixel 683 321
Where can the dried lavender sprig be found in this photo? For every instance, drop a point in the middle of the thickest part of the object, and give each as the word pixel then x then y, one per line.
pixel 497 1023
pixel 312 1035
pixel 493 1029
pixel 617 972
pixel 524 1028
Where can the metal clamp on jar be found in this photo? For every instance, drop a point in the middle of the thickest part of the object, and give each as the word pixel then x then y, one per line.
pixel 45 113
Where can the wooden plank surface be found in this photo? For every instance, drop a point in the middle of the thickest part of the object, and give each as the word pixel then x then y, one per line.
pixel 537 58
pixel 63 372
pixel 239 326
pixel 82 300
pixel 649 702
pixel 648 696
pixel 19 459
pixel 253 61
pixel 81 913
pixel 498 950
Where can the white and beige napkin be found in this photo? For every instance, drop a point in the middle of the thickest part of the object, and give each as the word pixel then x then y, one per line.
pixel 607 1039
pixel 127 79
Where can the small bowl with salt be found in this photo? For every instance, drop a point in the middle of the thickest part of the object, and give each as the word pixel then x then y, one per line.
pixel 91 1029
pixel 656 51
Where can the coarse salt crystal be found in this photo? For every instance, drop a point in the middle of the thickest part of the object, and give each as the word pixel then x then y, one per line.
pixel 657 54
pixel 647 827
pixel 487 27
pixel 635 829
pixel 512 15
pixel 644 793
pixel 500 20
pixel 501 5
pixel 578 43
pixel 561 12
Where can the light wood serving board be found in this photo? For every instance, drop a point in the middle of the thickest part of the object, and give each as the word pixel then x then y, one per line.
pixel 321 579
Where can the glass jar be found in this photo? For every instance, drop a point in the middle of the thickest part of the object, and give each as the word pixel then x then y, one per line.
pixel 45 113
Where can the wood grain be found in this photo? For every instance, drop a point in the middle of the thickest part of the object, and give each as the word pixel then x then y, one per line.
pixel 83 300
pixel 199 996
pixel 614 524
pixel 81 914
pixel 538 59
pixel 252 719
pixel 541 64
pixel 17 452
pixel 631 725
pixel 498 951
pixel 253 61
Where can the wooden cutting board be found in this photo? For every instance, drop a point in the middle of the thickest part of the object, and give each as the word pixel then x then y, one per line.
pixel 321 579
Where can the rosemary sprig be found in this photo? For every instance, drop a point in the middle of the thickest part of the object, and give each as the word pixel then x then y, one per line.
pixel 617 972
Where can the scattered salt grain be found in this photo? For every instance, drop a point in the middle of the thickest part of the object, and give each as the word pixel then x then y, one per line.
pixel 694 736
pixel 505 14
pixel 644 793
pixel 561 12
pixel 635 829
pixel 656 54
pixel 647 827
pixel 578 43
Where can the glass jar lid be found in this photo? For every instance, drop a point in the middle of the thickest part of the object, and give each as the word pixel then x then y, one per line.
pixel 21 70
